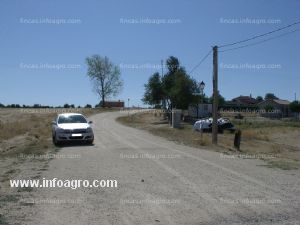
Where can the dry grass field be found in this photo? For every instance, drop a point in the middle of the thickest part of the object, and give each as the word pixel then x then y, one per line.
pixel 275 141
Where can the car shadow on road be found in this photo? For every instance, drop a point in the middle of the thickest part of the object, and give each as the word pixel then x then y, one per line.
pixel 73 144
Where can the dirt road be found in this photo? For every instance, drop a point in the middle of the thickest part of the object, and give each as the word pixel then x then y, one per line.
pixel 160 182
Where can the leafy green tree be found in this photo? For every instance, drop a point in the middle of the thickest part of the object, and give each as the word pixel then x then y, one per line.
pixel 259 98
pixel 168 80
pixel 36 106
pixel 178 87
pixel 221 100
pixel 295 106
pixel 105 77
pixel 270 96
pixel 153 90
pixel 183 92
pixel 175 89
pixel 173 65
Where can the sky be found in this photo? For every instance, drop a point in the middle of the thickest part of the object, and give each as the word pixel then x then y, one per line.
pixel 44 44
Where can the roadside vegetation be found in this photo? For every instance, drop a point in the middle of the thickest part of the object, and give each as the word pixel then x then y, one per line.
pixel 275 141
pixel 277 138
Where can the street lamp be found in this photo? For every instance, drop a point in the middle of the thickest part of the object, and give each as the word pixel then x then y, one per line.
pixel 202 86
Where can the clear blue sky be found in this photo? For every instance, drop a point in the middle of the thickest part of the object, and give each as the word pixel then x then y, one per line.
pixel 99 30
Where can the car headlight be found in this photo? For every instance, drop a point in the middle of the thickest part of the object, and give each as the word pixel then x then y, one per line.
pixel 89 130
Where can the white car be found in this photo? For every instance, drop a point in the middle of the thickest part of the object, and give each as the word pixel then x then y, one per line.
pixel 72 127
pixel 206 125
pixel 203 124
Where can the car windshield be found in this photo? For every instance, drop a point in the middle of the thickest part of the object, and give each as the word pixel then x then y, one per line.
pixel 72 119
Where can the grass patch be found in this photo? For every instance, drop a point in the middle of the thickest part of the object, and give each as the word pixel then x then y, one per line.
pixel 28 136
pixel 258 137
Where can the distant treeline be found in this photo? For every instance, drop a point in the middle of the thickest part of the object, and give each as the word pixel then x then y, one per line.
pixel 39 106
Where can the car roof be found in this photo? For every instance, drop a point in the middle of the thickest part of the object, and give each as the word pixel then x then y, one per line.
pixel 70 114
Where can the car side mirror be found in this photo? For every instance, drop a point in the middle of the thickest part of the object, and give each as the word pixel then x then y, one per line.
pixel 90 122
pixel 53 123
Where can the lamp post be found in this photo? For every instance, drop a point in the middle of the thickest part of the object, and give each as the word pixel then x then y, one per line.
pixel 201 86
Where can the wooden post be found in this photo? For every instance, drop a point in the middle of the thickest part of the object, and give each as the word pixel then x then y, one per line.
pixel 237 139
pixel 215 96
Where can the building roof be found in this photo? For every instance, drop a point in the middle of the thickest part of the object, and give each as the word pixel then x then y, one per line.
pixel 245 100
pixel 277 101
pixel 281 102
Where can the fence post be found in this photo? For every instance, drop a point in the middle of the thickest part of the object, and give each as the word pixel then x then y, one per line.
pixel 237 139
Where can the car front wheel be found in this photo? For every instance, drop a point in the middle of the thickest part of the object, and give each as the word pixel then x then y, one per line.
pixel 54 139
pixel 90 142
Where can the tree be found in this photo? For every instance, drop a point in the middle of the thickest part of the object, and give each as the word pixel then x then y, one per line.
pixel 105 77
pixel 168 80
pixel 182 94
pixel 270 96
pixel 295 106
pixel 36 106
pixel 66 106
pixel 178 87
pixel 221 100
pixel 1 105
pixel 173 65
pixel 259 98
pixel 153 90
pixel 88 106
pixel 175 89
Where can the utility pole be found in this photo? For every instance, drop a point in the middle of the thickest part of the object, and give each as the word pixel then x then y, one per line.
pixel 215 96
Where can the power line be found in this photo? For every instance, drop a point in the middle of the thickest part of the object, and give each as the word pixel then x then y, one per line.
pixel 259 42
pixel 260 35
pixel 249 39
pixel 201 61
